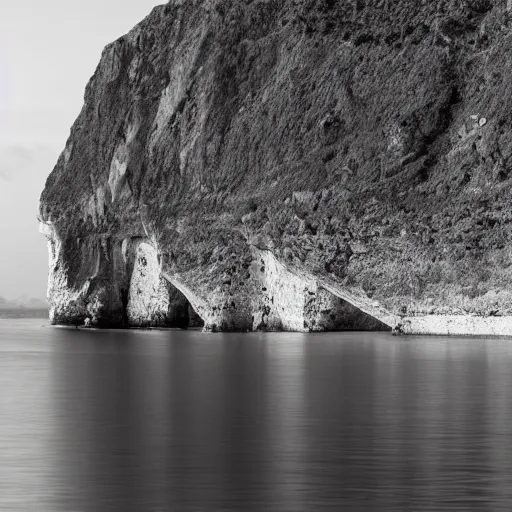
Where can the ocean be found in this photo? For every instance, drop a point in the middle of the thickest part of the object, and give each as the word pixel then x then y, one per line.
pixel 169 420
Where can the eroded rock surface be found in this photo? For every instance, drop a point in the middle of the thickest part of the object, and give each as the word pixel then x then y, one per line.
pixel 358 152
pixel 152 300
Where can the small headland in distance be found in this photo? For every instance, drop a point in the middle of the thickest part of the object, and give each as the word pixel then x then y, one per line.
pixel 23 308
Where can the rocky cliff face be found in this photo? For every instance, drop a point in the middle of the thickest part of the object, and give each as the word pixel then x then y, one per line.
pixel 276 164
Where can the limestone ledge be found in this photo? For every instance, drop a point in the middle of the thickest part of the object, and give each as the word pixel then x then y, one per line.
pixel 462 325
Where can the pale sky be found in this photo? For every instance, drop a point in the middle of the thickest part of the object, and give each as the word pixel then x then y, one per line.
pixel 48 51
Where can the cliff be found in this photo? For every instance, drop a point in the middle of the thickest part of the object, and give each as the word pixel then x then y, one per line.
pixel 275 164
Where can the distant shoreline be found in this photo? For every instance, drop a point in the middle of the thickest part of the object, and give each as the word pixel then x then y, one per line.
pixel 23 313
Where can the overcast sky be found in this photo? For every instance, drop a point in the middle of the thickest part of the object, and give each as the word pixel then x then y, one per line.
pixel 48 51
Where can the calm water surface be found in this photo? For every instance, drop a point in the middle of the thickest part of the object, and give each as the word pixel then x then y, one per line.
pixel 185 421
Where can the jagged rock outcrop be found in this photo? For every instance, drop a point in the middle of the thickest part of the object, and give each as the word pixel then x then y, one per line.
pixel 291 165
